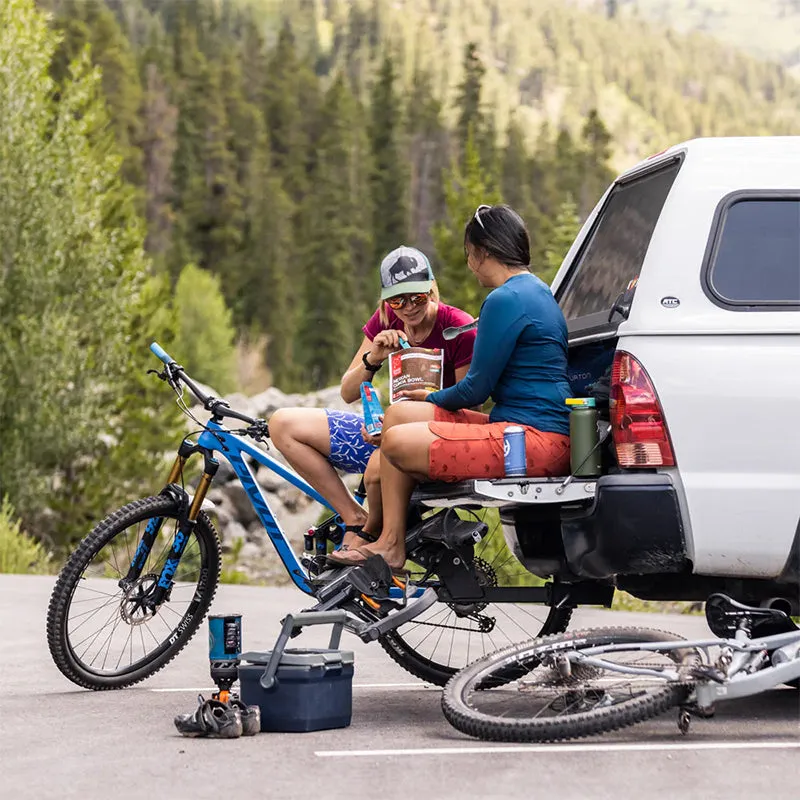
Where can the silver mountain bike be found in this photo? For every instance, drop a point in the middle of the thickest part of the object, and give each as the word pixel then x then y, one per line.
pixel 582 683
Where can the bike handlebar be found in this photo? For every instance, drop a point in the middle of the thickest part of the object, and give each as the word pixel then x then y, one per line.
pixel 218 408
pixel 161 353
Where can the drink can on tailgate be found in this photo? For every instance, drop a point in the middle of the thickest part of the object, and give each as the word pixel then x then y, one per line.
pixel 514 451
pixel 224 637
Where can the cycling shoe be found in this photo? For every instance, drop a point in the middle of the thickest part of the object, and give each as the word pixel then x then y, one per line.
pixel 212 719
pixel 251 716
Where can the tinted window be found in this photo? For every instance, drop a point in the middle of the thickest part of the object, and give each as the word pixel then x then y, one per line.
pixel 757 256
pixel 616 248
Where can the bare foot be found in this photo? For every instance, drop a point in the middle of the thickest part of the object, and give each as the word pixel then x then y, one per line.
pixel 351 539
pixel 395 558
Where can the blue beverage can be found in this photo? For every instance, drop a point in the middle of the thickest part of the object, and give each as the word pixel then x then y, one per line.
pixel 514 451
pixel 224 637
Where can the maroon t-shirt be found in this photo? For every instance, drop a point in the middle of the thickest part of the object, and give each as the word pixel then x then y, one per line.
pixel 457 352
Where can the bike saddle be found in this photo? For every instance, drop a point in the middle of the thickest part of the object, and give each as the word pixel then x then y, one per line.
pixel 725 615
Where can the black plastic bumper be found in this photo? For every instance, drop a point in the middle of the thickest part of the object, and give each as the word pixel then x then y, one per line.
pixel 634 527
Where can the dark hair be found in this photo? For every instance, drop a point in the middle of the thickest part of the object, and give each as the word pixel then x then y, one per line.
pixel 501 233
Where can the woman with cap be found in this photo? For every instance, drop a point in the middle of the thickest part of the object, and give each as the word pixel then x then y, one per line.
pixel 520 361
pixel 315 441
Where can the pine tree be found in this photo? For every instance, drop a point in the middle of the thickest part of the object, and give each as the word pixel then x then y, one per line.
pixel 465 189
pixel 159 124
pixel 337 257
pixel 596 141
pixel 470 115
pixel 565 229
pixel 89 22
pixel 388 180
pixel 210 200
pixel 426 155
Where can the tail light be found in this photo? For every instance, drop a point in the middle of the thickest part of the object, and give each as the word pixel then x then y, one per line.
pixel 637 421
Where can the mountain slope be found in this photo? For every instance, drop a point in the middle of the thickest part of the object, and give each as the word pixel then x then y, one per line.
pixel 769 29
pixel 552 61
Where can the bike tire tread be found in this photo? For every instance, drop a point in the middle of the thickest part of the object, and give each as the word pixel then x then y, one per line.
pixel 604 720
pixel 62 594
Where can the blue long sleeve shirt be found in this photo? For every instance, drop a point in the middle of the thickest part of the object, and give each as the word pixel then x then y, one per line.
pixel 519 360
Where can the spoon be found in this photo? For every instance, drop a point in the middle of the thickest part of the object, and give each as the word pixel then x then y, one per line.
pixel 451 333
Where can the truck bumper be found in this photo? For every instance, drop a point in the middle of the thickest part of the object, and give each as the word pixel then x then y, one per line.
pixel 634 527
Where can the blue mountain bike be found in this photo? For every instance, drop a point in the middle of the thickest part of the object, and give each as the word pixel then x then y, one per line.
pixel 138 586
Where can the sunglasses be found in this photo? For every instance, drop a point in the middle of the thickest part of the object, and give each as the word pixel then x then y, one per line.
pixel 412 299
pixel 477 215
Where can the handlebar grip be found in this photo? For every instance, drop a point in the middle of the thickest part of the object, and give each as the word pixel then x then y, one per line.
pixel 161 353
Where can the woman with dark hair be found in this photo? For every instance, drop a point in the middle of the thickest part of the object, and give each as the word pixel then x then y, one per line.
pixel 519 360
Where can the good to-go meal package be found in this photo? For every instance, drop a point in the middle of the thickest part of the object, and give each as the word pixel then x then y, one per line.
pixel 414 368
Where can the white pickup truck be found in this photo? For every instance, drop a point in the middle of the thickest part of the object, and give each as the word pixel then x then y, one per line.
pixel 685 280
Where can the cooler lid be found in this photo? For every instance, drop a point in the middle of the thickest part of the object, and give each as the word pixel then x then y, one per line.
pixel 302 657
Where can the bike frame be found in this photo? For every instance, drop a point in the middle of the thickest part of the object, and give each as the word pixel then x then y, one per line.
pixel 216 439
pixel 743 677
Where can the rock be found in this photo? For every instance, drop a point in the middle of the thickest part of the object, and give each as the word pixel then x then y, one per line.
pixel 270 481
pixel 293 499
pixel 225 472
pixel 268 402
pixel 231 532
pixel 249 552
pixel 243 508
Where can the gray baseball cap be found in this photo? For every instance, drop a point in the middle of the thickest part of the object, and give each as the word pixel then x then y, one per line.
pixel 405 270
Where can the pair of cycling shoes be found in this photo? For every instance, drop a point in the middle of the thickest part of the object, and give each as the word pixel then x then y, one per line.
pixel 214 719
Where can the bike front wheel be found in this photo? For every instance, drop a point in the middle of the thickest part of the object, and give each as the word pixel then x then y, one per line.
pixel 103 636
pixel 548 702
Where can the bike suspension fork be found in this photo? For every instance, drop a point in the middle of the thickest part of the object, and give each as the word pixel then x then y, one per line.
pixel 153 527
pixel 184 531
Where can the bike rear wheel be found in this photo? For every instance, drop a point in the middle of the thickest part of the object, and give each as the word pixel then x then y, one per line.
pixel 448 636
pixel 543 704
pixel 99 634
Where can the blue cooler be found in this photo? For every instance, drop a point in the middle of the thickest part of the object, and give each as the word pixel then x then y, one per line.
pixel 300 690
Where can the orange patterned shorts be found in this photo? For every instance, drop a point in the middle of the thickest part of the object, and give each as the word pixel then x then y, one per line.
pixel 468 446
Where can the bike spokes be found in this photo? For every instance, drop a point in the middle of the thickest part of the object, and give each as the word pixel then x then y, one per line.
pixel 112 624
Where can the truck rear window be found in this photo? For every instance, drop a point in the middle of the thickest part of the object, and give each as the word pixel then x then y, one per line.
pixel 614 251
pixel 756 255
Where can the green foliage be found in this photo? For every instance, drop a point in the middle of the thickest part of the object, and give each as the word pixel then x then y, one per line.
pixel 204 337
pixel 388 180
pixel 60 192
pixel 338 257
pixel 19 553
pixel 465 189
pixel 565 229
pixel 768 31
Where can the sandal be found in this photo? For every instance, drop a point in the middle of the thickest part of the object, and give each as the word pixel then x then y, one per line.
pixel 362 557
pixel 360 533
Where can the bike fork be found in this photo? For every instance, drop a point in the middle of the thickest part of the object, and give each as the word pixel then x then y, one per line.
pixel 183 532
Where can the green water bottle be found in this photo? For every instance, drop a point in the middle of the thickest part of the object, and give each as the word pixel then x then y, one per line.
pixel 584 455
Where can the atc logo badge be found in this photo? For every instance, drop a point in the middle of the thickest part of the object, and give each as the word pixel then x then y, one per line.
pixel 670 302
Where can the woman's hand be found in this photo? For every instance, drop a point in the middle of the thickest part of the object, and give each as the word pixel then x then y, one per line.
pixel 374 440
pixel 414 394
pixel 383 345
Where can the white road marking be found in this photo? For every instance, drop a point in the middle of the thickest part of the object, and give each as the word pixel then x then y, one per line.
pixel 561 748
pixel 355 686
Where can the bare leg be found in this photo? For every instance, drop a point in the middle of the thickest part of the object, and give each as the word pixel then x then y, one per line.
pixel 405 453
pixel 302 435
pixel 372 481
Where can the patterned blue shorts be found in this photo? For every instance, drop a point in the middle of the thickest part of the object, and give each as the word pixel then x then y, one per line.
pixel 349 452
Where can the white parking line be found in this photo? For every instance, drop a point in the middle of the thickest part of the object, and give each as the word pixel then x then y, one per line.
pixel 561 748
pixel 355 686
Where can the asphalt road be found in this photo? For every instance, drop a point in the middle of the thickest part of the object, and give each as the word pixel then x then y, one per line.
pixel 63 742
